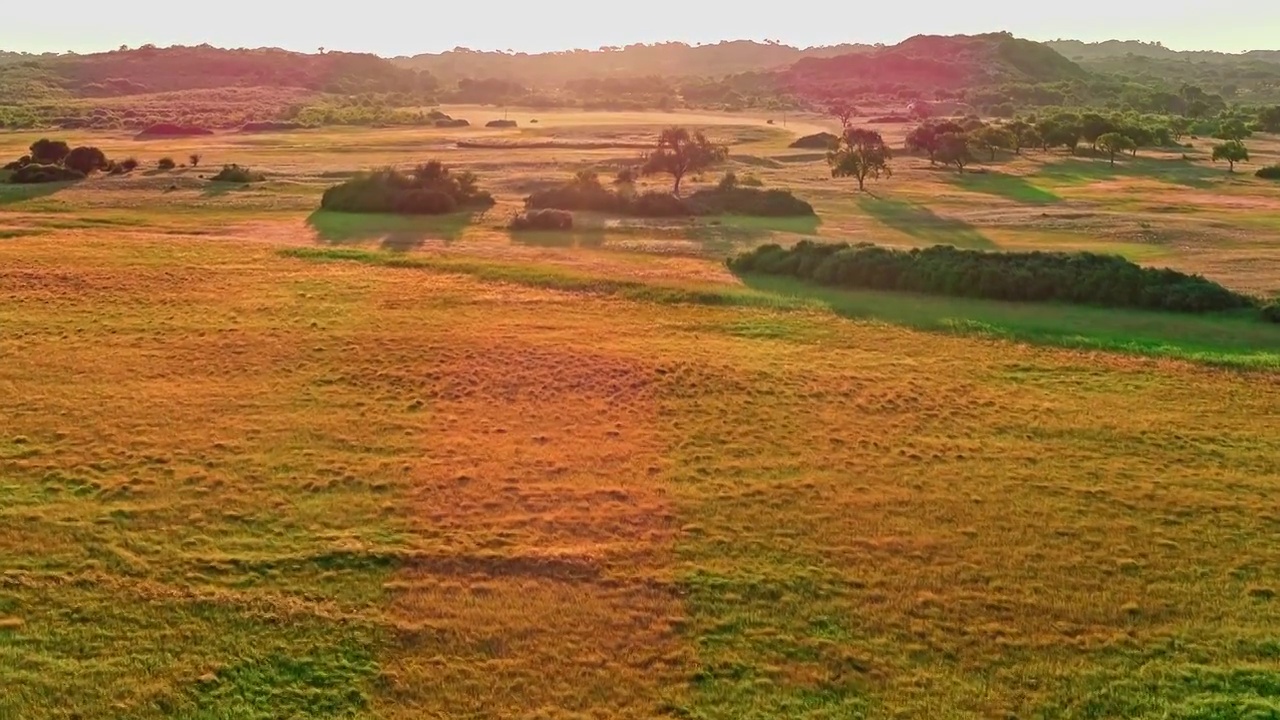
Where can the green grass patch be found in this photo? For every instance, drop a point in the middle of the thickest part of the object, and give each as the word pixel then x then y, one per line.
pixel 922 224
pixel 1009 187
pixel 1232 340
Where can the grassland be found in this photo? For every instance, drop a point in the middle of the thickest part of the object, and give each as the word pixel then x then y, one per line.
pixel 261 462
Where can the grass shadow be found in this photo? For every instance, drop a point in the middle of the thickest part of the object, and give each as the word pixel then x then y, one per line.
pixel 1082 170
pixel 1010 187
pixel 1229 339
pixel 923 224
pixel 14 193
pixel 399 233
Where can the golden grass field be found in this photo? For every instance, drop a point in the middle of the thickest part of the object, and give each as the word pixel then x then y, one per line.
pixel 446 472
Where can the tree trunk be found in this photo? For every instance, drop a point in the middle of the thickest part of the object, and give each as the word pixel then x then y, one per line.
pixel 676 191
pixel 1113 159
pixel 860 181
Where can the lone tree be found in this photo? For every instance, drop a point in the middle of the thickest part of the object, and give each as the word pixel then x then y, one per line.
pixel 842 110
pixel 954 149
pixel 860 153
pixel 1113 143
pixel 49 152
pixel 1233 151
pixel 992 138
pixel 1232 129
pixel 680 153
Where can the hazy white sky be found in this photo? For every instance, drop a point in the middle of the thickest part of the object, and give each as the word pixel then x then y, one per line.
pixel 403 27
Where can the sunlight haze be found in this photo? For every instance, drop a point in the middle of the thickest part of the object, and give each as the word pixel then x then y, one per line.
pixel 390 28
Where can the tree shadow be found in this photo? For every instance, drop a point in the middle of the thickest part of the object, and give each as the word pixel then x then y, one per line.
pixel 590 237
pixel 14 193
pixel 397 233
pixel 1010 187
pixel 923 224
pixel 1186 173
pixel 724 233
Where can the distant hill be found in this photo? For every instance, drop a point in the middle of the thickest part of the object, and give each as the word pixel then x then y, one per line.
pixel 663 59
pixel 152 70
pixel 1086 52
pixel 932 62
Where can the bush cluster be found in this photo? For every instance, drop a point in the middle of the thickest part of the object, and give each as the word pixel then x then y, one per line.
pixel 429 189
pixel 56 161
pixel 1270 172
pixel 1079 278
pixel 587 193
pixel 501 124
pixel 235 174
pixel 543 220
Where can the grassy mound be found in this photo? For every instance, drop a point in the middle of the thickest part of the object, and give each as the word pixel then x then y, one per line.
pixel 173 130
pixel 1079 278
pixel 235 174
pixel 429 189
pixel 268 126
pixel 820 141
pixel 543 220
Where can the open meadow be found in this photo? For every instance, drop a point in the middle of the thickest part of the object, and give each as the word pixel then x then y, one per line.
pixel 260 460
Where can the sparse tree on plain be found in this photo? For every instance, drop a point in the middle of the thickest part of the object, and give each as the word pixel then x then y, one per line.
pixel 992 138
pixel 955 149
pixel 680 152
pixel 843 111
pixel 1113 143
pixel 860 153
pixel 195 159
pixel 1233 151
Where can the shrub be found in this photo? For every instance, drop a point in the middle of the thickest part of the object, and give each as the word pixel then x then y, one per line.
pixel 166 164
pixel 1271 311
pixel 894 119
pixel 86 160
pixel 40 173
pixel 235 174
pixel 750 181
pixel 543 220
pixel 435 115
pixel 49 152
pixel 195 159
pixel 748 201
pixel 129 164
pixel 1270 172
pixel 501 124
pixel 429 189
pixel 659 204
pixel 582 193
pixel 451 123
pixel 820 141
pixel 19 163
pixel 1080 278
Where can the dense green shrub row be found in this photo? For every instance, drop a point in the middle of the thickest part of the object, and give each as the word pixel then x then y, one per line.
pixel 586 193
pixel 429 189
pixel 1081 278
pixel 1270 172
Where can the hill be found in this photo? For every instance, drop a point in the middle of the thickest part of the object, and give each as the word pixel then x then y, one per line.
pixel 1249 77
pixel 932 62
pixel 672 59
pixel 1085 52
pixel 150 70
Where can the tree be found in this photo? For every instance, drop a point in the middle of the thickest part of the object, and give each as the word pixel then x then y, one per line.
pixel 1269 119
pixel 1233 151
pixel 925 137
pixel 1019 129
pixel 1140 135
pixel 1112 143
pixel 49 152
pixel 954 149
pixel 1179 126
pixel 85 160
pixel 1094 126
pixel 680 153
pixel 860 153
pixel 197 157
pixel 842 110
pixel 1232 129
pixel 1029 138
pixel 992 138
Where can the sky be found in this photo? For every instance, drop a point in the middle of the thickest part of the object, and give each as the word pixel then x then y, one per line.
pixel 403 27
